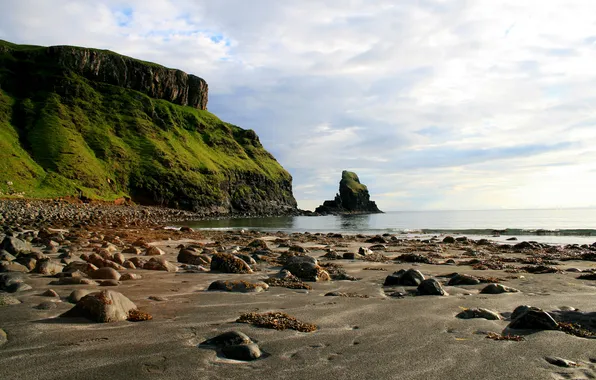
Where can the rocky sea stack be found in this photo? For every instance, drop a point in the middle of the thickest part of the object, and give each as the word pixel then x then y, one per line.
pixel 353 198
pixel 93 124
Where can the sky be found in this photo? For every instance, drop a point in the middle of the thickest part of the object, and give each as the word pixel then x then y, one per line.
pixel 435 104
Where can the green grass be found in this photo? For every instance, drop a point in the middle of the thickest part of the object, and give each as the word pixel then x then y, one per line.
pixel 64 135
pixel 351 180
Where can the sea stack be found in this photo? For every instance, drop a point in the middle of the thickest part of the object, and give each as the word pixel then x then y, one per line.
pixel 353 198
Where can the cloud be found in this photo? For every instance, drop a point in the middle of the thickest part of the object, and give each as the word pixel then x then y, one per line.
pixel 434 104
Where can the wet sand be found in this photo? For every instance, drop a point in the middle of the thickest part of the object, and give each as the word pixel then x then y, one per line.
pixel 378 337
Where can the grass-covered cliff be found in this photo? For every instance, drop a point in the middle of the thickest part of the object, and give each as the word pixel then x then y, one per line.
pixel 92 123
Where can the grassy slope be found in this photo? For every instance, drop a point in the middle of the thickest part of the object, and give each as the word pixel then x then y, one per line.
pixel 352 181
pixel 105 142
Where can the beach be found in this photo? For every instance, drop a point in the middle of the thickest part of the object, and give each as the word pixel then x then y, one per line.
pixel 365 330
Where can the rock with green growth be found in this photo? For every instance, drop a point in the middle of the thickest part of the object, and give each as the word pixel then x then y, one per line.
pixel 353 198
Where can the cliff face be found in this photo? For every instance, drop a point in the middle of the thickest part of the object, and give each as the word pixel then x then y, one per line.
pixel 353 198
pixel 84 122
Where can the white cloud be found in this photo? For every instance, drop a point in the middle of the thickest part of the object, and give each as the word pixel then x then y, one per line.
pixel 435 104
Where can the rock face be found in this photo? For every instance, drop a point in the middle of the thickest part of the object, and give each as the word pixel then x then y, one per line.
pixel 353 198
pixel 95 124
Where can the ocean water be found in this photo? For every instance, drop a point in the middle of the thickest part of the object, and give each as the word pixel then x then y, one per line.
pixel 555 226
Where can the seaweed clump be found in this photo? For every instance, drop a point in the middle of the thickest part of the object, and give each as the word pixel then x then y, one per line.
pixel 135 315
pixel 495 336
pixel 277 321
pixel 287 283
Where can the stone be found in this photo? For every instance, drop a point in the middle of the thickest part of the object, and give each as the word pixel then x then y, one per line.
pixel 5 256
pixel 154 251
pixel 431 287
pixel 193 257
pixel 160 263
pixel 244 352
pixel 48 267
pixel 27 261
pixel 378 239
pixel 81 266
pixel 6 300
pixel 229 338
pixel 235 345
pixel 105 273
pixel 364 251
pixel 479 313
pixel 15 246
pixel 410 277
pixel 228 263
pixel 449 240
pixel 238 286
pixel 307 271
pixel 118 258
pixel 463 279
pixel 10 266
pixel 109 283
pixel 3 337
pixel 560 362
pixel 258 243
pixel 247 259
pixel 128 265
pixel 13 282
pixel 77 294
pixel 46 306
pixel 297 248
pixel 130 276
pixel 497 289
pixel 534 318
pixel 50 293
pixel 132 250
pixel 102 307
pixel 73 281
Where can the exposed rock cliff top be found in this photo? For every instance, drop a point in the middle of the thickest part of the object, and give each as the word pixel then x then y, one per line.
pixel 106 66
pixel 353 197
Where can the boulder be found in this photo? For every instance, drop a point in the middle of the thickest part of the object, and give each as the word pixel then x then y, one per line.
pixel 50 293
pixel 410 277
pixel 497 289
pixel 105 273
pixel 81 266
pixel 229 338
pixel 5 256
pixel 228 263
pixel 364 251
pixel 15 246
pixel 307 270
pixel 449 240
pixel 238 286
pixel 27 261
pixel 102 307
pixel 431 287
pixel 130 276
pixel 534 319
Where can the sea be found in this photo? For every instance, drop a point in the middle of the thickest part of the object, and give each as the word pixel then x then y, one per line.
pixel 552 226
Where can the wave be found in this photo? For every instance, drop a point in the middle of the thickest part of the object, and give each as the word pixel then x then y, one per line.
pixel 506 232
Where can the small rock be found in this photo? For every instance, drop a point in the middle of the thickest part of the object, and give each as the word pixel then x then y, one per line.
pixel 130 276
pixel 109 283
pixel 449 240
pixel 160 263
pixel 5 300
pixel 497 289
pixel 157 298
pixel 238 286
pixel 50 293
pixel 105 273
pixel 102 307
pixel 463 279
pixel 410 277
pixel 154 251
pixel 77 294
pixel 3 337
pixel 560 362
pixel 12 266
pixel 46 306
pixel 479 313
pixel 230 338
pixel 48 267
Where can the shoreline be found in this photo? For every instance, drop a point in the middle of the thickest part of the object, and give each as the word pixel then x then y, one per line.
pixel 364 326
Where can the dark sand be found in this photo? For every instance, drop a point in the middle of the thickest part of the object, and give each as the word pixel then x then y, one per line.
pixel 379 337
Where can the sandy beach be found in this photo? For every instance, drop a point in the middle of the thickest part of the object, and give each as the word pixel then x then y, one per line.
pixel 371 331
